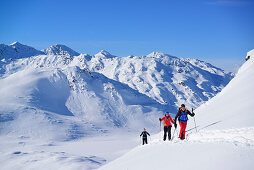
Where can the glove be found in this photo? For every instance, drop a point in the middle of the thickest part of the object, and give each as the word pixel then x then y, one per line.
pixel 159 119
pixel 193 114
pixel 175 125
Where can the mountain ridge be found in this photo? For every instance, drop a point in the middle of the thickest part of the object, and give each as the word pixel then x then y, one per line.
pixel 59 49
pixel 165 78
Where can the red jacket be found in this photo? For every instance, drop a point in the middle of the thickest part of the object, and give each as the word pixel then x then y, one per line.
pixel 167 121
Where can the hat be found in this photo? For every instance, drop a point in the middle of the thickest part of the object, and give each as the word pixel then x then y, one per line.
pixel 182 105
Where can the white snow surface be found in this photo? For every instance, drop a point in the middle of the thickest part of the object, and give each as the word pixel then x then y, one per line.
pixel 198 153
pixel 224 139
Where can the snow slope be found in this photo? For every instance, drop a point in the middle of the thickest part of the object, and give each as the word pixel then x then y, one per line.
pixel 87 153
pixel 225 138
pixel 56 116
pixel 185 156
pixel 87 98
pixel 231 108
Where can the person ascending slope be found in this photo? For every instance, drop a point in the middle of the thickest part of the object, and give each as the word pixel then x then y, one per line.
pixel 144 134
pixel 182 118
pixel 167 125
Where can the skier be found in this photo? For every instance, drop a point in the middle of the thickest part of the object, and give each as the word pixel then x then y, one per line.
pixel 182 118
pixel 167 125
pixel 144 134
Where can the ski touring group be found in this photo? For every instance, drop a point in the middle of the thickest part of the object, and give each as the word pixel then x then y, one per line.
pixel 168 122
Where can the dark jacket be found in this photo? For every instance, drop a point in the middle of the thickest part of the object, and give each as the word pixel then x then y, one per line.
pixel 179 113
pixel 144 134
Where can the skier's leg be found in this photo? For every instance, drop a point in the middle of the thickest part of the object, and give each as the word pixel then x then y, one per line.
pixel 184 128
pixel 146 140
pixel 165 132
pixel 169 132
pixel 181 128
pixel 143 141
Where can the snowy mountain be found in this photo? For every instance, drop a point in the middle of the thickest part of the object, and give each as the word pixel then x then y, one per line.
pixel 122 91
pixel 57 104
pixel 17 50
pixel 49 94
pixel 225 137
pixel 60 50
pixel 103 54
pixel 167 79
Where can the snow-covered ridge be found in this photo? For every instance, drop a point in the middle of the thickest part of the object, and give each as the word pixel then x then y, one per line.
pixel 120 90
pixel 104 54
pixel 17 50
pixel 60 50
pixel 167 79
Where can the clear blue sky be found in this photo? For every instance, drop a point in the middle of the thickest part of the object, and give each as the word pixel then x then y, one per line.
pixel 217 31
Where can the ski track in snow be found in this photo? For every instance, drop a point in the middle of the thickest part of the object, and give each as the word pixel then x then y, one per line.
pixel 239 137
pixel 230 149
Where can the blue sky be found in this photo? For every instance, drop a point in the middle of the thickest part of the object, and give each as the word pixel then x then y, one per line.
pixel 217 31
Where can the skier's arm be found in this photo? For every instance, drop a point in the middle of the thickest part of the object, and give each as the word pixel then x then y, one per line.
pixel 172 120
pixel 141 134
pixel 177 115
pixel 162 119
pixel 189 113
pixel 148 134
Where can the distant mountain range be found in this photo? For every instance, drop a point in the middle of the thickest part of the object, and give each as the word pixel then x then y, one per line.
pixel 82 94
pixel 17 50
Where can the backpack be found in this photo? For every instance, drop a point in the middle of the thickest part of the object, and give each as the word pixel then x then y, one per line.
pixel 183 117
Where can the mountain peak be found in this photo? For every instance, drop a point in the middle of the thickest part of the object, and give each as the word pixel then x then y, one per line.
pixel 17 50
pixel 16 43
pixel 158 55
pixel 104 54
pixel 59 46
pixel 59 49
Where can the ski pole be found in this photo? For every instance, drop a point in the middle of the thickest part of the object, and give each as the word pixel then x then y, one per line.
pixel 173 134
pixel 195 122
pixel 160 131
